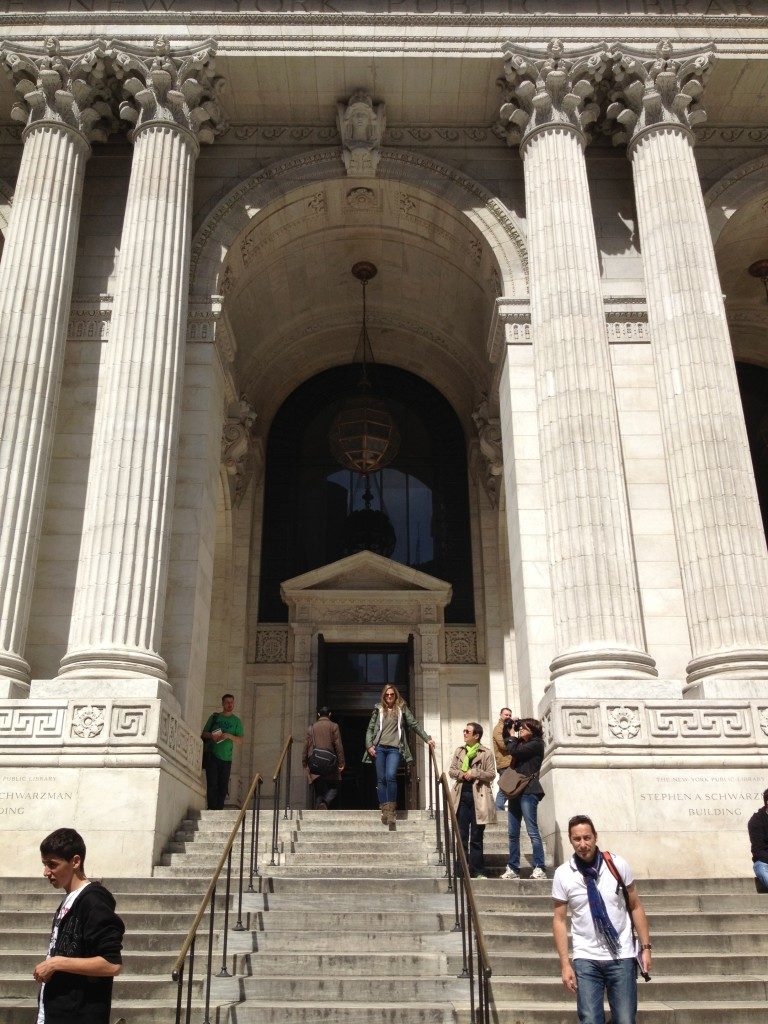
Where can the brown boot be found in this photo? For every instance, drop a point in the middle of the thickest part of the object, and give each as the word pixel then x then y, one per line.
pixel 384 813
pixel 392 815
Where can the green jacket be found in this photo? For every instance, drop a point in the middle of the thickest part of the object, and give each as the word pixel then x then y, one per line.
pixel 405 722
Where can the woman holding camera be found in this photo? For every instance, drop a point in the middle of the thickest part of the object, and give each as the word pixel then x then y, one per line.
pixel 527 750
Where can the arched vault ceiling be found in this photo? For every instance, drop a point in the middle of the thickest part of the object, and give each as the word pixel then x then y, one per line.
pixel 295 309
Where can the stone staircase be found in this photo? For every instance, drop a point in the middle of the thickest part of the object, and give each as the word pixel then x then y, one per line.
pixel 355 924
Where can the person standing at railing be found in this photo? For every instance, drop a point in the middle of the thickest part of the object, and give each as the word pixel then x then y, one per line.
pixel 323 759
pixel 386 743
pixel 500 755
pixel 474 770
pixel 526 748
pixel 220 733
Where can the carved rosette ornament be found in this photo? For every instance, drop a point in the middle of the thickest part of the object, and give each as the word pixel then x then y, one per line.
pixel 361 127
pixel 656 91
pixel 66 89
pixel 550 90
pixel 171 88
pixel 237 447
pixel 489 438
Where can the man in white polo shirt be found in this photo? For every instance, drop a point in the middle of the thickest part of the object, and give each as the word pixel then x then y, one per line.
pixel 604 954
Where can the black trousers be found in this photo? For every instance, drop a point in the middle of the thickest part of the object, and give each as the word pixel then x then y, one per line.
pixel 470 833
pixel 326 791
pixel 217 778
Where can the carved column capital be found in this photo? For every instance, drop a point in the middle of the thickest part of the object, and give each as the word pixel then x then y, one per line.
pixel 66 90
pixel 657 91
pixel 238 448
pixel 546 90
pixel 361 127
pixel 176 88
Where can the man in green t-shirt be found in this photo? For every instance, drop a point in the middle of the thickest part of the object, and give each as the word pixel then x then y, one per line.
pixel 222 730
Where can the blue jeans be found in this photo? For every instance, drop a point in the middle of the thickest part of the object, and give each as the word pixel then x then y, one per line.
pixel 524 806
pixel 595 978
pixel 387 762
pixel 501 799
pixel 761 872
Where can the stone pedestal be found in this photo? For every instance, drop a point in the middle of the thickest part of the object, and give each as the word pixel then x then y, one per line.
pixel 123 772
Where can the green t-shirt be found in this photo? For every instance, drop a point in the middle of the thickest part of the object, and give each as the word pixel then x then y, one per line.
pixel 227 723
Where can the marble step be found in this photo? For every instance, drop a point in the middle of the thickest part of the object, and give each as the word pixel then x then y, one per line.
pixel 388 1011
pixel 664 942
pixel 333 988
pixel 666 965
pixel 703 988
pixel 650 1011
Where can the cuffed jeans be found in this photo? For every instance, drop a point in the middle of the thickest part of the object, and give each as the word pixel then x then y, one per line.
pixel 615 978
pixel 524 807
pixel 761 872
pixel 387 762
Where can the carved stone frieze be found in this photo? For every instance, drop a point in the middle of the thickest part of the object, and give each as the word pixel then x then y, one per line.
pixel 89 318
pixel 658 725
pixel 657 90
pixel 488 427
pixel 361 127
pixel 239 453
pixel 460 645
pixel 731 135
pixel 550 90
pixel 272 644
pixel 366 612
pixel 62 88
pixel 170 85
pixel 111 727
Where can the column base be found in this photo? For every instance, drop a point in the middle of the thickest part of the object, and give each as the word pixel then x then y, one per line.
pixel 13 669
pixel 727 688
pixel 607 688
pixel 10 688
pixel 748 665
pixel 126 662
pixel 605 662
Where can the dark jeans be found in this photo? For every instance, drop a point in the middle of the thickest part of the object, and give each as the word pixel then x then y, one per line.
pixel 217 777
pixel 387 762
pixel 326 791
pixel 470 832
pixel 615 978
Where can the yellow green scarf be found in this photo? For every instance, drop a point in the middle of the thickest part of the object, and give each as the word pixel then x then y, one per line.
pixel 470 755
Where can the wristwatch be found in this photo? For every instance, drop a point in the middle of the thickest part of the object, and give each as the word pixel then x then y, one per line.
pixel 646 945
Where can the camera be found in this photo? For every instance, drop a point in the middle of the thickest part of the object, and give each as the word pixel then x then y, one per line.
pixel 512 724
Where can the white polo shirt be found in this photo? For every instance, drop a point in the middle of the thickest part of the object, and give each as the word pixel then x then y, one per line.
pixel 569 886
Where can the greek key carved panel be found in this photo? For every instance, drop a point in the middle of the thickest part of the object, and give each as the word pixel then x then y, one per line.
pixel 32 723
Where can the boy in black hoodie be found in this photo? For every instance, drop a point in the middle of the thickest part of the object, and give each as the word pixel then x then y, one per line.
pixel 86 939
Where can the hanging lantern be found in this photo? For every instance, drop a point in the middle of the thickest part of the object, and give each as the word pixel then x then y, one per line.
pixel 363 436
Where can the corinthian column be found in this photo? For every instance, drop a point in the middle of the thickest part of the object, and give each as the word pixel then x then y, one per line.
pixel 717 519
pixel 598 627
pixel 120 593
pixel 62 100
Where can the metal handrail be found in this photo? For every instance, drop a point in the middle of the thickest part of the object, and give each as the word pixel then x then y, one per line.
pixel 276 779
pixel 253 798
pixel 467 916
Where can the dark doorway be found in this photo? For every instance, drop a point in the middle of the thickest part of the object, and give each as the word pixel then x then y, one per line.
pixel 350 680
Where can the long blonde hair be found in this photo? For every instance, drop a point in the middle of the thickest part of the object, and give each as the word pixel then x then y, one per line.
pixel 399 702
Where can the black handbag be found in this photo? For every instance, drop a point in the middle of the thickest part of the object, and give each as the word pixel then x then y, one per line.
pixel 320 760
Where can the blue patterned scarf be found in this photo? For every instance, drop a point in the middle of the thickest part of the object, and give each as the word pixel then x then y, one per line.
pixel 604 928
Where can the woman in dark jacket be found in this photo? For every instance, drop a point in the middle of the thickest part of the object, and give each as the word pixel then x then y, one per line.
pixel 527 750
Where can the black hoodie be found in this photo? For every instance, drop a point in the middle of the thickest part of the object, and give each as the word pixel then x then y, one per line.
pixel 91 928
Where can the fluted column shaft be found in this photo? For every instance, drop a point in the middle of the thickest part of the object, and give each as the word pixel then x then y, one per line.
pixel 597 611
pixel 35 292
pixel 716 513
pixel 120 592
pixel 717 520
pixel 598 624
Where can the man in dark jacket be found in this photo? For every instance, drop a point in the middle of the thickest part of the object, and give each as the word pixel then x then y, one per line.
pixel 758 837
pixel 86 939
pixel 324 735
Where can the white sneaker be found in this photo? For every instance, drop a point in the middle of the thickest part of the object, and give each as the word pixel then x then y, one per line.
pixel 537 873
pixel 509 873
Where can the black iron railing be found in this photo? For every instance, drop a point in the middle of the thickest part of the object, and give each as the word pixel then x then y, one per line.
pixel 184 968
pixel 476 962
